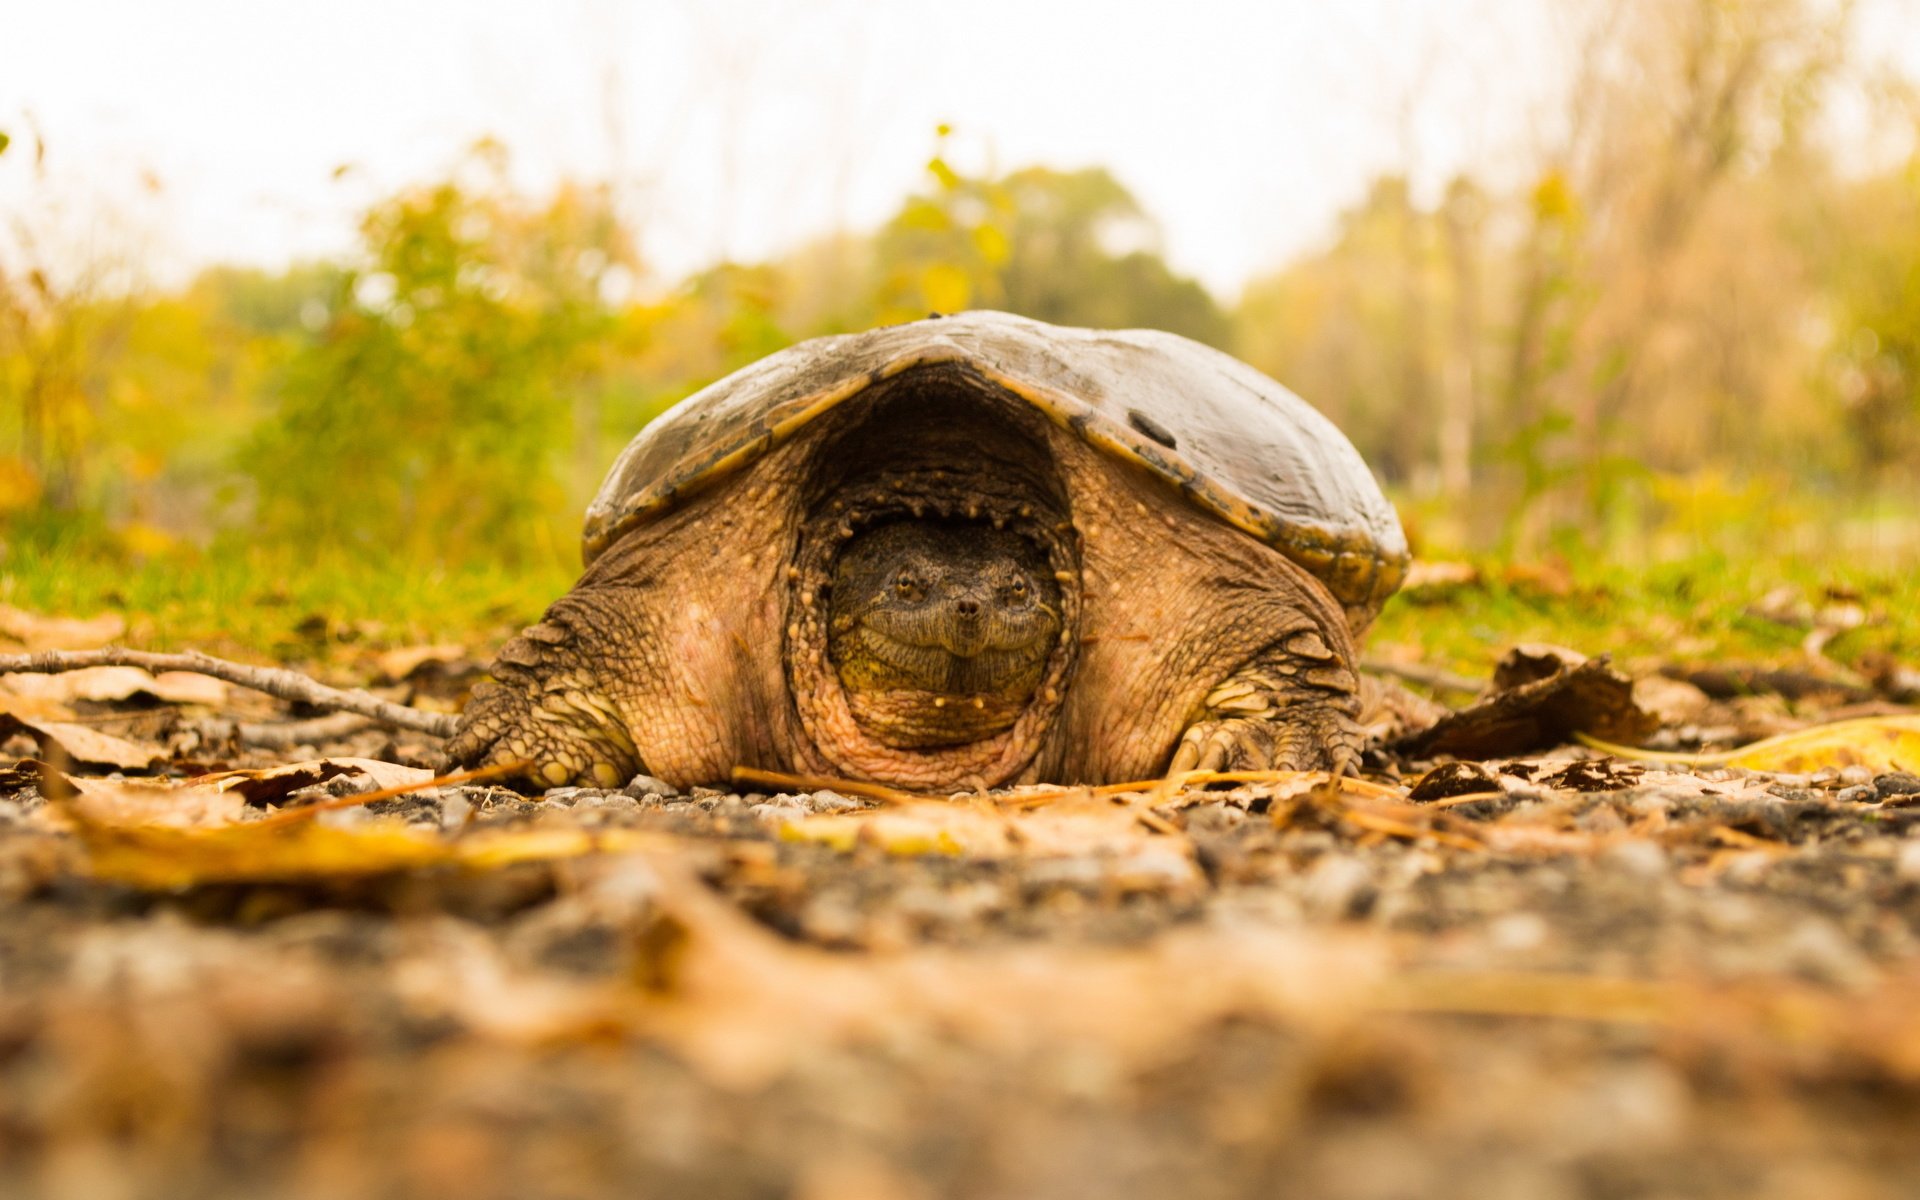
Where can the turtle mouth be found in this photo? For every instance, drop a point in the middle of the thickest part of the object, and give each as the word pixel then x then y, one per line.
pixel 959 666
pixel 965 635
pixel 939 695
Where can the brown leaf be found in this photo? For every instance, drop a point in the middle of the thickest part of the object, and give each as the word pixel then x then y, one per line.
pixel 155 805
pixel 84 746
pixel 401 663
pixel 106 685
pixel 1530 662
pixel 1454 779
pixel 32 708
pixel 189 687
pixel 1670 701
pixel 1586 697
pixel 271 783
pixel 37 632
pixel 1427 575
pixel 91 683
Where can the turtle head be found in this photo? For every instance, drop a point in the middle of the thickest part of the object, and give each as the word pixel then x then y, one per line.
pixel 940 630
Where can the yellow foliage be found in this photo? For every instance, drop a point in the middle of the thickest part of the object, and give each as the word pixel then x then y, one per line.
pixel 19 484
pixel 1553 199
pixel 945 288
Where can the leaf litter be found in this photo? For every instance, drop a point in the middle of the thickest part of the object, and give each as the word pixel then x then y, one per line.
pixel 1539 969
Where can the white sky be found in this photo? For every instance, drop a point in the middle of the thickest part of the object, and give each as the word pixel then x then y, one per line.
pixel 740 127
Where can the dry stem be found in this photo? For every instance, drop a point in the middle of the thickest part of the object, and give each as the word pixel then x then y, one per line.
pixel 274 681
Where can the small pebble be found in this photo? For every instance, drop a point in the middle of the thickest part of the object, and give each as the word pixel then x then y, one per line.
pixel 830 801
pixel 1855 775
pixel 642 786
pixel 1897 783
pixel 610 800
pixel 1857 794
pixel 454 809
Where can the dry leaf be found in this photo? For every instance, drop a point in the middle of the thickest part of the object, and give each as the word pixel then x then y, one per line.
pixel 1428 575
pixel 32 708
pixel 90 683
pixel 403 662
pixel 1880 744
pixel 162 858
pixel 84 746
pixel 109 684
pixel 189 687
pixel 1549 695
pixel 1670 701
pixel 37 632
pixel 271 783
pixel 154 805
pixel 159 857
pixel 1068 828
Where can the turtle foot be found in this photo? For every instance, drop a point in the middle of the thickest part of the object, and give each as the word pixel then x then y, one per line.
pixel 545 718
pixel 1320 739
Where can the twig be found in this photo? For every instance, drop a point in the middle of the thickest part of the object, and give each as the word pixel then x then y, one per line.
pixel 815 783
pixel 274 681
pixel 282 735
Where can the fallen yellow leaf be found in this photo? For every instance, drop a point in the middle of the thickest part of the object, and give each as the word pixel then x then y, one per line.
pixel 1880 744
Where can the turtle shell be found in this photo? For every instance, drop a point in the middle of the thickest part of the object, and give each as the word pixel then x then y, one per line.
pixel 1231 440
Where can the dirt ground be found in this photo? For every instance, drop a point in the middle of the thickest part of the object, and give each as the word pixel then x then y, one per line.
pixel 1552 975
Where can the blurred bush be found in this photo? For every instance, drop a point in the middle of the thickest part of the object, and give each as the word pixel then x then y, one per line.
pixel 1687 327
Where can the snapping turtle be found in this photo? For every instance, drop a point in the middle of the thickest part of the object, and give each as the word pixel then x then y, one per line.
pixel 966 551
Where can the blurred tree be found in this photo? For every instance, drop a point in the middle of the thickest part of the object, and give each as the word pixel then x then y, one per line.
pixel 1070 247
pixel 1640 307
pixel 1872 266
pixel 429 416
pixel 1341 328
pixel 62 323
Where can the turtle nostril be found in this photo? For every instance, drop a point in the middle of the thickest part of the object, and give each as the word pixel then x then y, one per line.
pixel 967 608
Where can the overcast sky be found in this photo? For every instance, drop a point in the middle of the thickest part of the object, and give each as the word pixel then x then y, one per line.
pixel 740 127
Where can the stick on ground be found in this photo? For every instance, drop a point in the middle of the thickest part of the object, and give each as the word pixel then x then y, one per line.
pixel 274 681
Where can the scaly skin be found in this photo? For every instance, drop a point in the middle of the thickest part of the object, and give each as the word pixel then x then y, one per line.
pixel 658 660
pixel 1195 636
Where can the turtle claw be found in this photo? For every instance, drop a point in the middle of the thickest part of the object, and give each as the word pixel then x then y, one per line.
pixel 1233 744
pixel 1316 738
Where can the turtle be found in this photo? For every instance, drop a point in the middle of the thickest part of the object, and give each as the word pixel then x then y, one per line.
pixel 970 551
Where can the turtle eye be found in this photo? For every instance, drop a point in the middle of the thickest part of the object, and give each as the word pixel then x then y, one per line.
pixel 1018 589
pixel 904 586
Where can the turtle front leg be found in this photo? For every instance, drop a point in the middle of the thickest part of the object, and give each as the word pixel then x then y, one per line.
pixel 549 708
pixel 1293 707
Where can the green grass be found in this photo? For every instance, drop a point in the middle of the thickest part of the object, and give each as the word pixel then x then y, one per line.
pixel 252 602
pixel 1707 609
